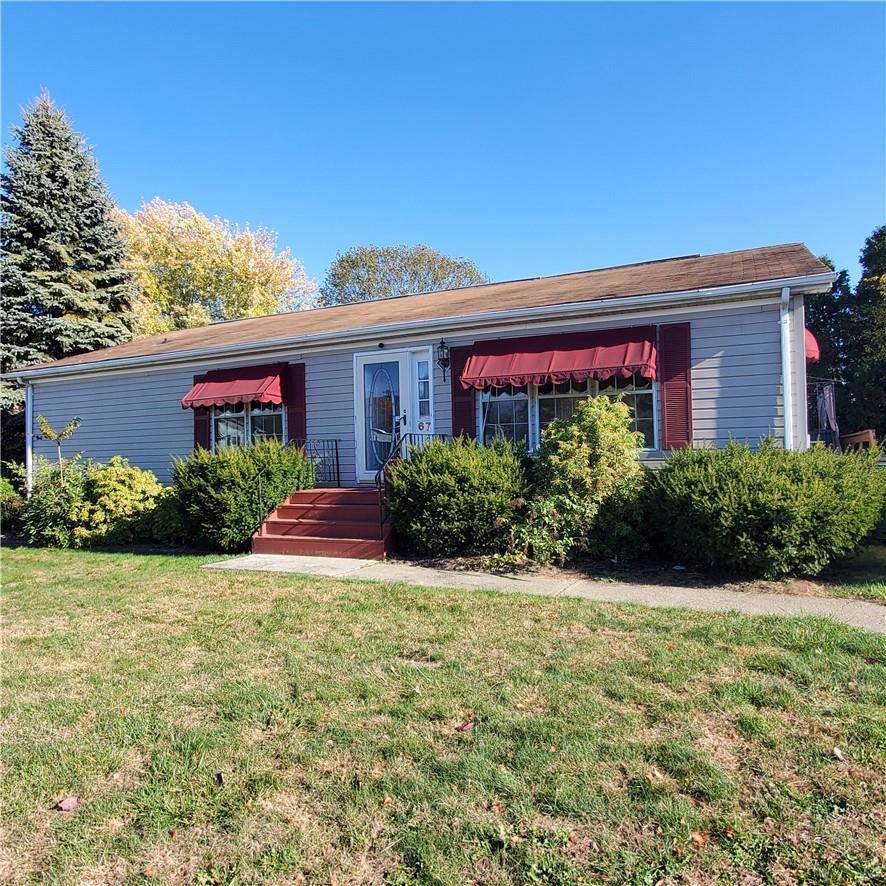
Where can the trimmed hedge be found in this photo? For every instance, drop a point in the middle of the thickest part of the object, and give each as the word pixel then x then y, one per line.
pixel 767 513
pixel 223 500
pixel 456 497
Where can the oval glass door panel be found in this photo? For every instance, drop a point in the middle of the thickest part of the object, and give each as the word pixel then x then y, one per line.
pixel 381 410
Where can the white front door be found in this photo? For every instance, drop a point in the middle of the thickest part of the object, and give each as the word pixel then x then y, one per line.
pixel 392 398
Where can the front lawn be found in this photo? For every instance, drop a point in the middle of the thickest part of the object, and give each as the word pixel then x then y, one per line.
pixel 254 728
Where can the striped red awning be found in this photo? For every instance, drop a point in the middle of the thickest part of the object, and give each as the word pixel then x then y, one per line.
pixel 248 384
pixel 558 358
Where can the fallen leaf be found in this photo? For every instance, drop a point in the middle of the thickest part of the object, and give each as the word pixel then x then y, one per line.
pixel 173 833
pixel 496 807
pixel 730 833
pixel 467 726
pixel 219 778
pixel 150 872
pixel 838 754
pixel 68 804
pixel 698 838
pixel 501 767
pixel 389 801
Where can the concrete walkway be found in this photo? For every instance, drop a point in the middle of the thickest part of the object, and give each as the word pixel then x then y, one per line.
pixel 859 613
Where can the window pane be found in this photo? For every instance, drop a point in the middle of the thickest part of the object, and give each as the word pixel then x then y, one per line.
pixel 424 390
pixel 521 411
pixel 230 430
pixel 265 427
pixel 506 414
pixel 422 369
pixel 424 408
pixel 546 410
pixel 647 429
pixel 644 406
pixel 506 411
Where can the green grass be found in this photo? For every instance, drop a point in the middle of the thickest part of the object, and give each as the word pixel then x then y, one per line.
pixel 252 728
pixel 864 576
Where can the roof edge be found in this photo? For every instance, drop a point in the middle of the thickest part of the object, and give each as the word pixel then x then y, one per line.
pixel 583 307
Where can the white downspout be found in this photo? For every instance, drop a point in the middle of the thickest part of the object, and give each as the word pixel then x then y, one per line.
pixel 786 387
pixel 29 435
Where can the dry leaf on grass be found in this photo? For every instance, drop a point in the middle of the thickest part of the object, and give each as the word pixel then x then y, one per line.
pixel 698 838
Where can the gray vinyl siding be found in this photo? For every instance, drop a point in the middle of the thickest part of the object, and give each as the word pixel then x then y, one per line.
pixel 736 391
pixel 138 416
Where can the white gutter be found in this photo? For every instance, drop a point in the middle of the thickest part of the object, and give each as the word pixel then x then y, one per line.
pixel 435 324
pixel 29 436
pixel 786 386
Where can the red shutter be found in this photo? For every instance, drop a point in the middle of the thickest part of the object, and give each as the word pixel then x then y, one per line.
pixel 296 402
pixel 675 385
pixel 201 424
pixel 464 416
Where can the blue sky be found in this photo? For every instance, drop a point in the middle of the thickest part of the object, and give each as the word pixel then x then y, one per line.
pixel 535 139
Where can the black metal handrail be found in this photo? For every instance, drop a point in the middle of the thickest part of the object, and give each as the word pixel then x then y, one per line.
pixel 399 450
pixel 323 453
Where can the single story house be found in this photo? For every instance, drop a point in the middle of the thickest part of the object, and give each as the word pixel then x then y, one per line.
pixel 703 349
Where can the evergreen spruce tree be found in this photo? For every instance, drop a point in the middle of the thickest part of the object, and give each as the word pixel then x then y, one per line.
pixel 65 286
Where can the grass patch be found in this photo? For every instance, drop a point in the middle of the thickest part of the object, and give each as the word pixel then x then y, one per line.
pixel 864 576
pixel 237 727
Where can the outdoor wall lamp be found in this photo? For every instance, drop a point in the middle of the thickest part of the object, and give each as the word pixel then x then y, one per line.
pixel 443 357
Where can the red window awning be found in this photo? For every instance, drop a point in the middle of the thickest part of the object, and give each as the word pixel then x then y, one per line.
pixel 247 384
pixel 813 350
pixel 558 358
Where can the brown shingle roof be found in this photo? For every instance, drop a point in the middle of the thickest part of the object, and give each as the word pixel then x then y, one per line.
pixel 667 275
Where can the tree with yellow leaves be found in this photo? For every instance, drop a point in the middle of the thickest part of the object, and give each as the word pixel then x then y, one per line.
pixel 193 270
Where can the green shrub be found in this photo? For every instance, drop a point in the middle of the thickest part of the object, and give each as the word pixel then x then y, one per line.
pixel 619 530
pixel 766 513
pixel 222 499
pixel 79 503
pixel 164 522
pixel 455 497
pixel 116 495
pixel 49 513
pixel 10 505
pixel 583 461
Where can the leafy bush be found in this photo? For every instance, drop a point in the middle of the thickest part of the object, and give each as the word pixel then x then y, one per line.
pixel 765 513
pixel 454 497
pixel 76 504
pixel 10 504
pixel 583 461
pixel 116 495
pixel 619 529
pixel 57 494
pixel 163 522
pixel 224 496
